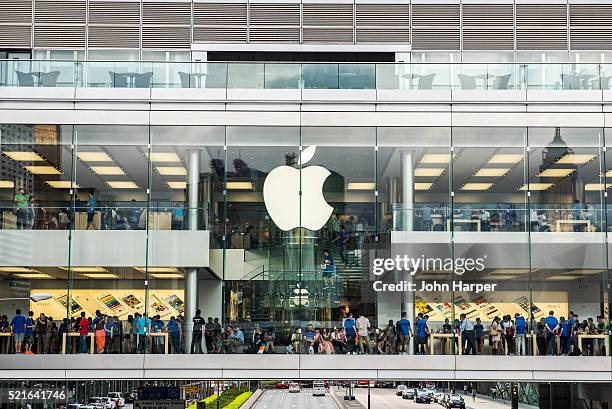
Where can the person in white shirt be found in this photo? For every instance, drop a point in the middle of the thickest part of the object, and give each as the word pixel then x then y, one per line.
pixel 363 325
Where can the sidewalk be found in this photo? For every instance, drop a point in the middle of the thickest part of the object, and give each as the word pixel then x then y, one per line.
pixel 485 402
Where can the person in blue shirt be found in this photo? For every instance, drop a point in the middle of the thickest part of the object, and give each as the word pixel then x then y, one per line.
pixel 308 337
pixel 18 327
pixel 577 215
pixel 91 210
pixel 350 332
pixel 563 336
pixel 29 331
pixel 157 326
pixel 570 325
pixel 421 334
pixel 521 331
pixel 479 331
pixel 551 326
pixel 404 331
pixel 174 332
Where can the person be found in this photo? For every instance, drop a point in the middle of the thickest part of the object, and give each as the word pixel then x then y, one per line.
pixel 309 339
pixel 479 332
pixel 446 329
pixel 351 332
pixel 20 205
pixel 5 328
pixel 91 210
pixel 232 339
pixel 521 331
pixel 328 262
pixel 269 339
pixel 339 341
pixel 541 337
pixel 326 346
pixel 363 327
pixel 563 336
pixel 426 219
pixel 467 332
pixel 571 332
pixel 62 219
pixel 334 227
pixel 405 332
pixel 64 328
pixel 209 333
pixel 551 325
pixel 389 338
pixel 296 341
pixel 196 338
pixel 174 332
pixel 117 336
pixel 178 215
pixel 577 215
pixel 144 328
pixel 485 220
pixel 29 334
pixel 421 334
pixel 41 334
pixel 534 220
pixel 343 239
pixel 157 327
pixel 83 332
pixel 495 331
pixel 99 324
pixel 18 328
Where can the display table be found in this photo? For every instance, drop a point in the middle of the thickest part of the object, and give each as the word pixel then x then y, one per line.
pixel 572 222
pixel 451 337
pixel 91 336
pixel 465 221
pixel 606 338
pixel 80 222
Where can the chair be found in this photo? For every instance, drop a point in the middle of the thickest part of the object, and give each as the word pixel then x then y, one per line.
pixel 604 83
pixel 118 80
pixel 426 81
pixel 186 79
pixel 25 79
pixel 49 79
pixel 501 81
pixel 143 80
pixel 467 81
pixel 570 81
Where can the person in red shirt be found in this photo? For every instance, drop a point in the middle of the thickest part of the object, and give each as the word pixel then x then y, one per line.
pixel 83 331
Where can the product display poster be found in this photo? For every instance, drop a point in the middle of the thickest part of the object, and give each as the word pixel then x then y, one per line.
pixel 165 303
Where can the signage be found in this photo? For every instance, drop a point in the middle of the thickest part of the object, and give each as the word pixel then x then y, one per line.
pixel 159 404
pixel 191 389
pixel 151 393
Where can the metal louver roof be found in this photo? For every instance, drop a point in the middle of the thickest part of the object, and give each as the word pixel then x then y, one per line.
pixel 274 14
pixel 274 34
pixel 316 14
pixel 390 35
pixel 113 37
pixel 591 39
pixel 488 38
pixel 65 12
pixel 327 35
pixel 59 36
pixel 16 11
pixel 15 36
pixel 541 15
pixel 382 15
pixel 435 15
pixel 488 15
pixel 219 34
pixel 166 37
pixel 166 13
pixel 113 12
pixel 548 38
pixel 439 38
pixel 591 14
pixel 219 14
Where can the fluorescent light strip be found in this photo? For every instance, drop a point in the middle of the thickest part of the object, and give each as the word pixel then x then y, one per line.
pixel 164 157
pixel 171 170
pixel 506 158
pixel 597 186
pixel 555 173
pixel 86 269
pixel 156 269
pixel 18 270
pixel 24 156
pixel 491 172
pixel 118 184
pixel 42 170
pixel 7 184
pixel 536 186
pixel 433 172
pixel 107 170
pixel 166 276
pixel 575 158
pixel 477 186
pixel 33 275
pixel 62 184
pixel 239 186
pixel 422 186
pixel 99 275
pixel 361 186
pixel 177 185
pixel 94 157
pixel 563 278
pixel 436 158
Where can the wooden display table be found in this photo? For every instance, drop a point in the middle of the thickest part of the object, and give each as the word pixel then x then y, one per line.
pixel 452 337
pixel 606 338
pixel 91 336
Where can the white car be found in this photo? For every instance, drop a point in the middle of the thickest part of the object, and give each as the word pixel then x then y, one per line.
pixel 438 397
pixel 116 396
pixel 294 387
pixel 318 389
pixel 99 402
pixel 400 390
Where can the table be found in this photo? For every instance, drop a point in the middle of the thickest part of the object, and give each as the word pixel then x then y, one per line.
pixel 572 221
pixel 534 343
pixel 198 76
pixel 456 221
pixel 433 336
pixel 91 336
pixel 80 221
pixel 9 220
pixel 160 334
pixel 410 78
pixel 606 338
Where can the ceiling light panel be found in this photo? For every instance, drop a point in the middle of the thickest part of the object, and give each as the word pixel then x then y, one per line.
pixel 122 184
pixel 506 158
pixel 436 158
pixel 24 156
pixel 42 170
pixel 431 172
pixel 107 170
pixel 492 172
pixel 575 159
pixel 94 157
pixel 536 186
pixel 477 186
pixel 555 173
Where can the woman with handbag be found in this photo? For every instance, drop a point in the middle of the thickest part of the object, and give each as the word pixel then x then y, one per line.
pixel 495 332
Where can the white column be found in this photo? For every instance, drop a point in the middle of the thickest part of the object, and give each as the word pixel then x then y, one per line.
pixel 407 183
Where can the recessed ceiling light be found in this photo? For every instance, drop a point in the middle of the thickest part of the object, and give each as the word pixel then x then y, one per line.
pixel 7 184
pixel 33 275
pixel 24 156
pixel 239 185
pixel 436 158
pixel 536 186
pixel 476 186
pixel 597 186
pixel 177 185
pixel 92 269
pixel 94 157
pixel 584 272
pixel 609 174
pixel 361 186
pixel 107 170
pixel 17 270
pixel 42 170
pixel 173 275
pixel 506 158
pixel 563 278
pixel 164 157
pixel 428 171
pixel 492 172
pixel 62 184
pixel 575 158
pixel 555 173
pixel 422 186
pixel 171 170
pixel 99 275
pixel 117 184
pixel 499 277
pixel 157 269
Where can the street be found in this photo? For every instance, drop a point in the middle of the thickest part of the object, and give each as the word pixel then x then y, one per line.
pixel 282 399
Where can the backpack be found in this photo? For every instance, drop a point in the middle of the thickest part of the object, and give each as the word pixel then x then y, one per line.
pixel 510 331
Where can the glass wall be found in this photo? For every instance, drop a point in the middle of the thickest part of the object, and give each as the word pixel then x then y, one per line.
pixel 284 232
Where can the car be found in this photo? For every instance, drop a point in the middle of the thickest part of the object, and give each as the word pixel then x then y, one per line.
pixel 318 388
pixel 399 391
pixel 100 402
pixel 294 387
pixel 409 393
pixel 383 384
pixel 362 384
pixel 455 401
pixel 422 396
pixel 431 392
pixel 282 385
pixel 438 397
pixel 117 399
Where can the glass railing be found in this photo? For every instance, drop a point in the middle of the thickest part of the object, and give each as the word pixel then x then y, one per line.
pixel 272 75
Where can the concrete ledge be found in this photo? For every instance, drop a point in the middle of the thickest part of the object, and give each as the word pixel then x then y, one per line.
pixel 391 367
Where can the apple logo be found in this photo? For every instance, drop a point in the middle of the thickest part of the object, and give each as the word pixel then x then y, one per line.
pixel 282 194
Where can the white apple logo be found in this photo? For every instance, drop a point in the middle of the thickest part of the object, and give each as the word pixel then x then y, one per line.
pixel 282 195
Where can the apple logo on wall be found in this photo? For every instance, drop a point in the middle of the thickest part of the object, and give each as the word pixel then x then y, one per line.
pixel 282 195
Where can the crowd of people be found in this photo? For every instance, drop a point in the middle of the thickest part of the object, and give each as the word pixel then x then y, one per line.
pixel 25 333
